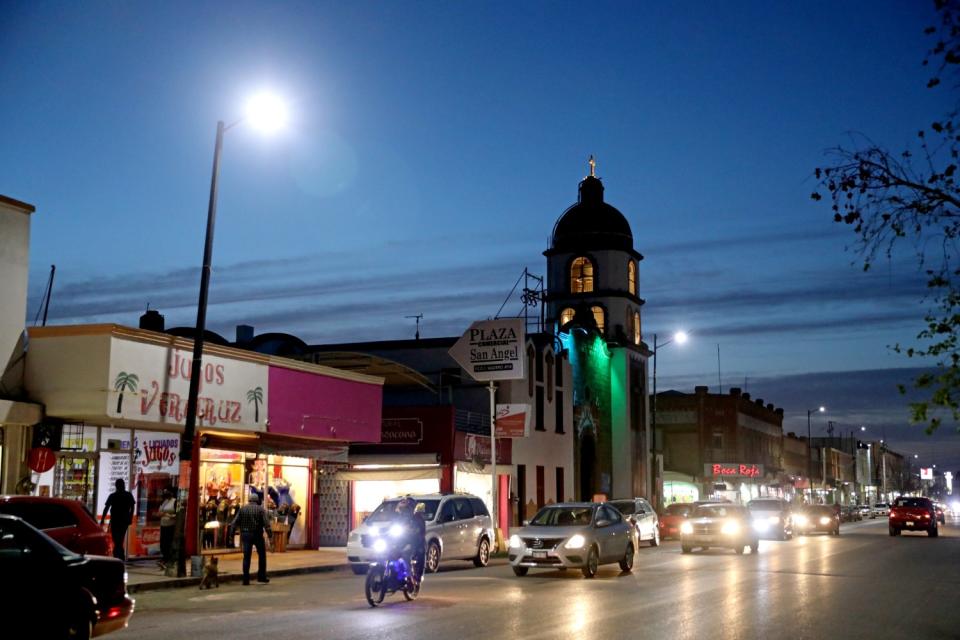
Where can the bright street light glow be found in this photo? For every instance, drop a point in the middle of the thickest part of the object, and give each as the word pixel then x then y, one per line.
pixel 822 409
pixel 266 112
pixel 863 428
pixel 680 337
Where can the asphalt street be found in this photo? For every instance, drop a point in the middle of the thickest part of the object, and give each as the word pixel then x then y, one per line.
pixel 863 584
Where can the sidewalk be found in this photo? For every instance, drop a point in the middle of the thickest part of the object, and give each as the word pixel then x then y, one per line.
pixel 146 575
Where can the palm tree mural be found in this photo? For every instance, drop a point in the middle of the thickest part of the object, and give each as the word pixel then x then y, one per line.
pixel 256 397
pixel 125 382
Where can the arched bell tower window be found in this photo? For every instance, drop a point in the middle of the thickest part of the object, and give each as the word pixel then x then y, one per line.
pixel 531 360
pixel 581 275
pixel 632 277
pixel 636 327
pixel 566 316
pixel 598 317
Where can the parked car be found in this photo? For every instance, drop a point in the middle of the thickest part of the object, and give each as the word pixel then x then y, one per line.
pixel 719 525
pixel 880 509
pixel 850 514
pixel 913 514
pixel 66 521
pixel 459 527
pixel 643 516
pixel 865 511
pixel 672 517
pixel 772 518
pixel 817 518
pixel 58 593
pixel 580 535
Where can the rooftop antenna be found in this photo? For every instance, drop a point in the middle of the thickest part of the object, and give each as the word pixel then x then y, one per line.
pixel 418 318
pixel 719 379
pixel 45 304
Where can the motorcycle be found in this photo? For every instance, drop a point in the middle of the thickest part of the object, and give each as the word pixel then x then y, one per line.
pixel 390 573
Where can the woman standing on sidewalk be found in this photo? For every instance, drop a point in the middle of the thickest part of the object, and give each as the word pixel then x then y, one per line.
pixel 168 522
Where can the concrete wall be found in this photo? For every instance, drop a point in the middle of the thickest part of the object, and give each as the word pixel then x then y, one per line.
pixel 14 265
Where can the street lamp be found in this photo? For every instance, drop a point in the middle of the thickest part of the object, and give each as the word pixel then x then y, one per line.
pixel 267 113
pixel 809 458
pixel 680 337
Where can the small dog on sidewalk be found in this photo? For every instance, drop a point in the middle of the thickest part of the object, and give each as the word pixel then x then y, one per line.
pixel 211 574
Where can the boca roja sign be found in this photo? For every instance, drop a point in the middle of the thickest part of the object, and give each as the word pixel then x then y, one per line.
pixel 732 470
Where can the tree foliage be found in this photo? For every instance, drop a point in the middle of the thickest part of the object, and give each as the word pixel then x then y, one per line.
pixel 911 199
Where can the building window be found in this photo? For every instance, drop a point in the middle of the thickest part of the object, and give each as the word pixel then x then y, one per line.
pixel 581 275
pixel 558 412
pixel 531 355
pixel 539 368
pixel 566 317
pixel 540 488
pixel 560 371
pixel 549 361
pixel 717 442
pixel 632 277
pixel 636 327
pixel 560 494
pixel 539 416
pixel 598 317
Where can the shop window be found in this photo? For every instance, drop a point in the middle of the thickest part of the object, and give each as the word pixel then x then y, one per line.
pixel 540 487
pixel 531 356
pixel 558 409
pixel 632 277
pixel 566 317
pixel 549 361
pixel 560 495
pixel 599 317
pixel 636 327
pixel 581 275
pixel 539 409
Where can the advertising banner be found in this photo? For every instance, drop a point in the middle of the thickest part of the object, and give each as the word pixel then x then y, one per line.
pixel 492 349
pixel 513 420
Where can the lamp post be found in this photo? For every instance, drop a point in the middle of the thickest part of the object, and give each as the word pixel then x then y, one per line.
pixel 680 337
pixel 265 112
pixel 809 457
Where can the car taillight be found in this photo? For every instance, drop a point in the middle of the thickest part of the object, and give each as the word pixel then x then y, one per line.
pixel 894 513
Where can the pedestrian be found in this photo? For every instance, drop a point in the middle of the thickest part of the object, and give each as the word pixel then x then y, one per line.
pixel 251 521
pixel 120 505
pixel 168 522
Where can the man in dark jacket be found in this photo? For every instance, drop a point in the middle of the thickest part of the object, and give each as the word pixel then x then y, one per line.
pixel 120 505
pixel 252 521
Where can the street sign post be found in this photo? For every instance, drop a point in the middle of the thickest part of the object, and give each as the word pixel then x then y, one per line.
pixel 492 350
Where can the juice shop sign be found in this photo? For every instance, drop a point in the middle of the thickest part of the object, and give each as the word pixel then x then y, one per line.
pixel 156 451
pixel 152 383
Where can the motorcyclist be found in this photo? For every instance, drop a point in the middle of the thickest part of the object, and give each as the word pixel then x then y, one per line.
pixel 415 534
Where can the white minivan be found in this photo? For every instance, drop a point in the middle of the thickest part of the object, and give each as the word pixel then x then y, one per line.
pixel 458 528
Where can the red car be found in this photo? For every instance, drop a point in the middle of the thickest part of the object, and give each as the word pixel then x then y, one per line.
pixel 66 521
pixel 672 517
pixel 913 514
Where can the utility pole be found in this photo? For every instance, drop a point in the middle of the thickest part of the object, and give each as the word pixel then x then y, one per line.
pixel 418 317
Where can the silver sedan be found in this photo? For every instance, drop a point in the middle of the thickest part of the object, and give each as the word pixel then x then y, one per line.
pixel 580 535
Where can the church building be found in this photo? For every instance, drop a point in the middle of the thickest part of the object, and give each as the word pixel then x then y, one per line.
pixel 593 305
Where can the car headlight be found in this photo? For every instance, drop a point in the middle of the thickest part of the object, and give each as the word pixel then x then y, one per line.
pixel 396 530
pixel 824 520
pixel 730 528
pixel 800 520
pixel 380 545
pixel 515 541
pixel 575 542
pixel 686 528
pixel 773 519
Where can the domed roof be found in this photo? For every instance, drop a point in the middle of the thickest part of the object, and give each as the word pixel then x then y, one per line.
pixel 591 223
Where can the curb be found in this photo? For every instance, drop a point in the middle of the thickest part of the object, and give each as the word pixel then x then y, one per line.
pixel 193 581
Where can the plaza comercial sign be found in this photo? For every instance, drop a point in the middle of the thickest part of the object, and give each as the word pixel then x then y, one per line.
pixel 492 349
pixel 732 470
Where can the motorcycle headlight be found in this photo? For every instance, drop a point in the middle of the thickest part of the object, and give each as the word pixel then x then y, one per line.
pixel 773 519
pixel 761 525
pixel 380 545
pixel 824 520
pixel 396 530
pixel 686 528
pixel 374 531
pixel 515 541
pixel 800 520
pixel 730 528
pixel 575 542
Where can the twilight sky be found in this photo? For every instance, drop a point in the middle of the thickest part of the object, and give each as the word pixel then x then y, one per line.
pixel 432 147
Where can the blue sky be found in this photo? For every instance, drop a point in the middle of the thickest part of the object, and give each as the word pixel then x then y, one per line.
pixel 433 145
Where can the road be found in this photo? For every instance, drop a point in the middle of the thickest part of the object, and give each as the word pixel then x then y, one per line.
pixel 863 584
